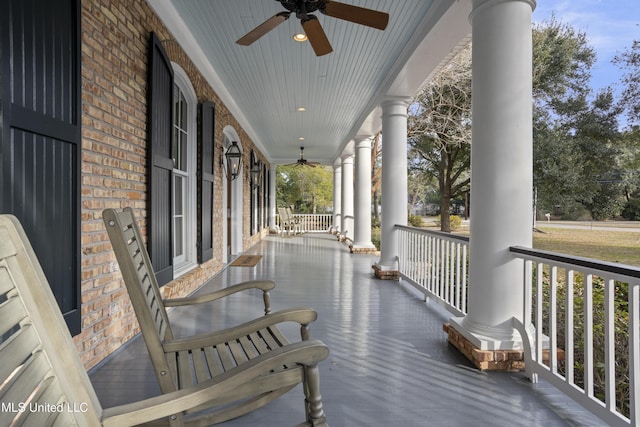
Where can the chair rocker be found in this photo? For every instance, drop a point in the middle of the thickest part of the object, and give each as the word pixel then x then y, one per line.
pixel 43 381
pixel 186 362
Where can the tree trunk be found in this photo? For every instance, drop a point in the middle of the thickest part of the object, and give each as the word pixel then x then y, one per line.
pixel 376 215
pixel 445 221
pixel 444 181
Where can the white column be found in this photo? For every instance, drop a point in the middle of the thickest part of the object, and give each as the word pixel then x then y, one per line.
pixel 394 179
pixel 337 195
pixel 502 170
pixel 362 210
pixel 346 229
pixel 272 198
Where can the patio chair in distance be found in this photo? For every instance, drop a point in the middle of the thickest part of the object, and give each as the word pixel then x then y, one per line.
pixel 288 221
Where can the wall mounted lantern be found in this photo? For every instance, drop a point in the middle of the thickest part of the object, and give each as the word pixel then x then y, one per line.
pixel 234 161
pixel 256 173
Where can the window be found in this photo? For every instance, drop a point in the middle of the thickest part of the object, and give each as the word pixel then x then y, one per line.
pixel 184 173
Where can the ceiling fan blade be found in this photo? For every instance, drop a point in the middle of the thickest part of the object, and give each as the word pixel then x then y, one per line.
pixel 263 28
pixel 317 37
pixel 359 15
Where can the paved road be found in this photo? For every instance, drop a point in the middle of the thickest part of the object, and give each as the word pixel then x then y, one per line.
pixel 628 226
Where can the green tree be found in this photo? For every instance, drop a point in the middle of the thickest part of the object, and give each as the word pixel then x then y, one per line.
pixel 561 63
pixel 629 60
pixel 562 60
pixel 575 133
pixel 597 139
pixel 439 134
pixel 308 189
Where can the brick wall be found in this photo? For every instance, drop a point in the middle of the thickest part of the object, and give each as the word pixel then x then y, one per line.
pixel 115 39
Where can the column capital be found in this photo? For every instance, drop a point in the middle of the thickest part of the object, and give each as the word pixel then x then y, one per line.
pixel 347 158
pixel 395 106
pixel 479 5
pixel 363 143
pixel 389 101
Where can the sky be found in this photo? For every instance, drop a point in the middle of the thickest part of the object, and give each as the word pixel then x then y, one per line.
pixel 611 26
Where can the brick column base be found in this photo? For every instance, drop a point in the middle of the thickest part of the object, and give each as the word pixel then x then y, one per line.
pixel 485 360
pixel 491 360
pixel 363 250
pixel 385 274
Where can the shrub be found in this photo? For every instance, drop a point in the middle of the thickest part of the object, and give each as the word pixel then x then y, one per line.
pixel 631 210
pixel 454 222
pixel 375 237
pixel 415 220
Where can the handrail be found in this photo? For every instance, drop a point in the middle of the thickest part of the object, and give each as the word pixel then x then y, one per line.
pixel 443 234
pixel 588 263
pixel 574 314
pixel 435 263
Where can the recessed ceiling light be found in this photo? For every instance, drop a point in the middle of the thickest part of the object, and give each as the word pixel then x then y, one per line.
pixel 300 37
pixel 301 109
pixel 301 138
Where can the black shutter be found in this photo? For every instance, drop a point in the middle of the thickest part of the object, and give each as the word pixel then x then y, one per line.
pixel 160 161
pixel 265 191
pixel 205 182
pixel 267 187
pixel 40 137
pixel 252 191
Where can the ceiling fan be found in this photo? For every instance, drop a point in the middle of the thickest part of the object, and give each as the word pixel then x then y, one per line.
pixel 302 161
pixel 311 25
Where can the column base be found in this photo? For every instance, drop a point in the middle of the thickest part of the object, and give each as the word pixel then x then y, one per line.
pixel 383 274
pixel 499 360
pixel 363 248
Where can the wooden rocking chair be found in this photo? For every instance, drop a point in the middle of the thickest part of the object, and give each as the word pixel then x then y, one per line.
pixel 43 381
pixel 288 221
pixel 188 361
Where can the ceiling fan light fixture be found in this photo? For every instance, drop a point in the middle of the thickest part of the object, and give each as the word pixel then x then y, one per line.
pixel 313 31
pixel 300 37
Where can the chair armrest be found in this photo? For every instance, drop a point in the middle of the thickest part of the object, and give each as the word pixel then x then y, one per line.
pixel 302 316
pixel 307 353
pixel 264 285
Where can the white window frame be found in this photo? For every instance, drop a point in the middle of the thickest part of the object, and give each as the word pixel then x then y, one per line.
pixel 188 261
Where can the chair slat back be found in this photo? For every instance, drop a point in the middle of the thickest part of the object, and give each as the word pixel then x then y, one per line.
pixel 283 215
pixel 137 270
pixel 142 286
pixel 42 380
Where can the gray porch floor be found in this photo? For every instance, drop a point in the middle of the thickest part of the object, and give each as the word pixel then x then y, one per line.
pixel 390 363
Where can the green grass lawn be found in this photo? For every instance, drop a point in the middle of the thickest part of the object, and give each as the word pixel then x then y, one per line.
pixel 613 246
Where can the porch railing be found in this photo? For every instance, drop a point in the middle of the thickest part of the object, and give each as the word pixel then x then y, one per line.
pixel 311 223
pixel 581 328
pixel 436 264
pixel 581 331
